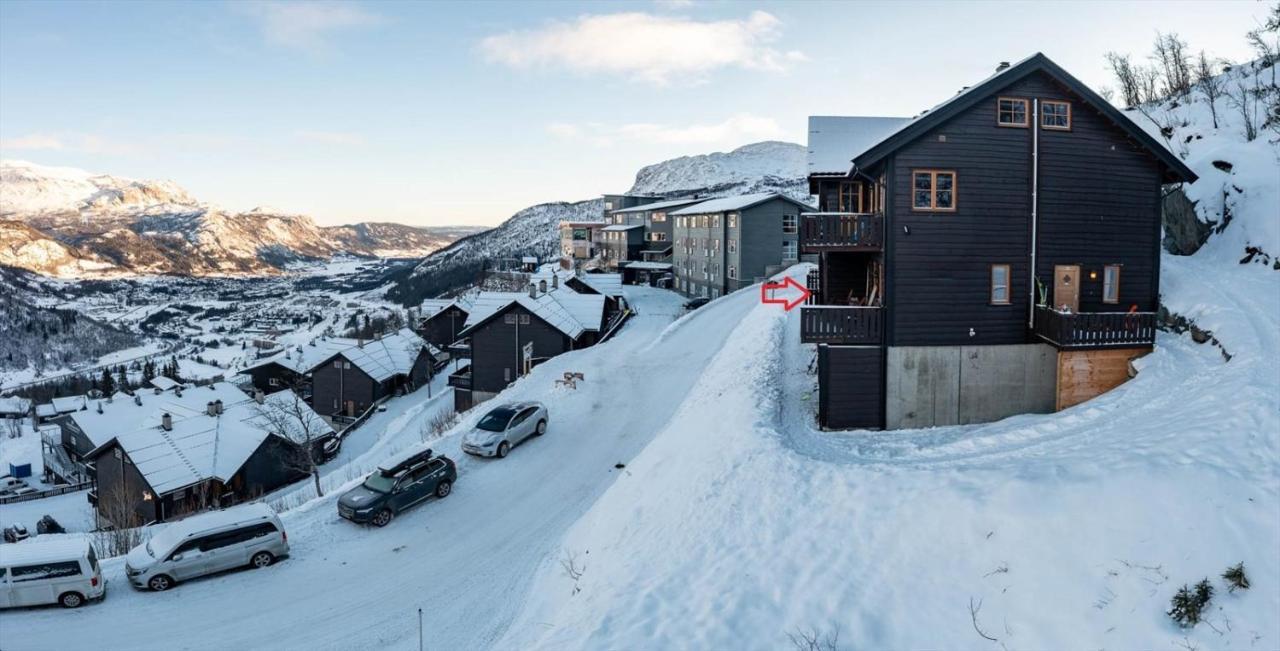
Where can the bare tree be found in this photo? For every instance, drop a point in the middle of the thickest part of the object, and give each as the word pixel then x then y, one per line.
pixel 286 415
pixel 119 525
pixel 812 640
pixel 13 426
pixel 1127 76
pixel 1208 82
pixel 1245 101
pixel 1265 41
pixel 1170 55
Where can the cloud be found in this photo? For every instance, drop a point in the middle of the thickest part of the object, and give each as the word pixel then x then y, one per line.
pixel 330 137
pixel 734 130
pixel 33 142
pixel 652 48
pixel 306 26
pixel 77 142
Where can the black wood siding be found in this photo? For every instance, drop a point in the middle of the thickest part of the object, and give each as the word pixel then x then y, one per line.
pixel 495 347
pixel 851 381
pixel 1098 205
pixel 271 466
pixel 329 384
pixel 442 328
pixel 262 376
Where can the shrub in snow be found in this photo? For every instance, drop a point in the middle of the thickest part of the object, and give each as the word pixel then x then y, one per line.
pixel 1236 578
pixel 1188 604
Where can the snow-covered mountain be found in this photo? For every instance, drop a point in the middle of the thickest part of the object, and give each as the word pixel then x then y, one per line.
pixel 760 167
pixel 77 223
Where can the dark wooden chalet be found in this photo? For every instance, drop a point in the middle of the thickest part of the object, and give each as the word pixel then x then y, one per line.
pixel 442 320
pixel 998 254
pixel 349 382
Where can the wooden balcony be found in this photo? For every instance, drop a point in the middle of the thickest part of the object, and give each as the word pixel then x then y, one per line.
pixel 841 231
pixel 1085 330
pixel 461 379
pixel 841 324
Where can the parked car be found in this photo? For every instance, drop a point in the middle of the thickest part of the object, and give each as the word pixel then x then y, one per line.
pixel 9 483
pixel 392 489
pixel 48 525
pixel 42 572
pixel 505 427
pixel 330 449
pixel 15 533
pixel 241 536
pixel 696 303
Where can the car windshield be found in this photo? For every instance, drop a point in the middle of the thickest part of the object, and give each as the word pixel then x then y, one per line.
pixel 496 420
pixel 380 483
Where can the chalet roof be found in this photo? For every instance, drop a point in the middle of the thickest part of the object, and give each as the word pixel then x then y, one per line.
pixel 649 266
pixel 607 284
pixel 740 202
pixel 68 404
pixel 379 358
pixel 164 383
pixel 834 140
pixel 622 227
pixel 106 419
pixel 1037 62
pixel 433 306
pixel 565 310
pixel 200 446
pixel 14 405
pixel 659 205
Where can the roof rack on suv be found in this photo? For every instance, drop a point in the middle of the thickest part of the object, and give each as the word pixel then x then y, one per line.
pixel 409 462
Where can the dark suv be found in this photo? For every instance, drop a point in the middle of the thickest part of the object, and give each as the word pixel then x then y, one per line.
pixel 389 491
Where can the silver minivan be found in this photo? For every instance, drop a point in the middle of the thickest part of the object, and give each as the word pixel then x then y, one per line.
pixel 38 572
pixel 241 536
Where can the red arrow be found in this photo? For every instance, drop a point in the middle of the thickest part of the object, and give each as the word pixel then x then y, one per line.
pixel 767 287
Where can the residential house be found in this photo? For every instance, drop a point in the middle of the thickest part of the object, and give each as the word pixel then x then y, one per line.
pixel 47 412
pixel 15 408
pixel 442 320
pixel 352 380
pixel 998 254
pixel 163 460
pixel 510 333
pixel 722 245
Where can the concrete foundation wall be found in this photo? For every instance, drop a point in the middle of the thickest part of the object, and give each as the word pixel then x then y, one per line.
pixel 930 386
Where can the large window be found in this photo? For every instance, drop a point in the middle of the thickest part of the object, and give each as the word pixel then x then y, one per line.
pixel 733 245
pixel 733 272
pixel 851 197
pixel 789 250
pixel 933 190
pixel 1111 283
pixel 1055 115
pixel 1000 284
pixel 789 223
pixel 733 220
pixel 659 216
pixel 1011 112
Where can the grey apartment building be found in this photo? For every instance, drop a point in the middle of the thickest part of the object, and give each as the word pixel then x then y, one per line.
pixel 722 245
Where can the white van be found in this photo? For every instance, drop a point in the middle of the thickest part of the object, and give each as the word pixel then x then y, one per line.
pixel 241 536
pixel 40 572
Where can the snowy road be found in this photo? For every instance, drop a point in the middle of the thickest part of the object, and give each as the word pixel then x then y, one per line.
pixel 466 561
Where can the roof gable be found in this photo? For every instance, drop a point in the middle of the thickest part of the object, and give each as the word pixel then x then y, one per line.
pixel 739 202
pixel 984 90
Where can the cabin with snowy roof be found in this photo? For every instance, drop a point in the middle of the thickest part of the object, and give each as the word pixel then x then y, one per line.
pixel 442 320
pixel 997 254
pixel 352 379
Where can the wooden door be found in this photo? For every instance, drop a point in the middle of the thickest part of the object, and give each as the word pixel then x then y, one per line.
pixel 1066 287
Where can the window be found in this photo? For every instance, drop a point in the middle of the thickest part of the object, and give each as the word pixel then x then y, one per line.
pixel 659 216
pixel 733 220
pixel 506 375
pixel 933 190
pixel 509 319
pixel 608 205
pixel 789 250
pixel 715 221
pixel 1111 283
pixel 999 284
pixel 733 245
pixel 789 223
pixel 337 364
pixel 1011 112
pixel 658 237
pixel 524 319
pixel 733 272
pixel 1055 115
pixel 850 197
pixel 45 571
pixel 275 382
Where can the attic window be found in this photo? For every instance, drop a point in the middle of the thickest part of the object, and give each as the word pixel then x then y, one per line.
pixel 1055 115
pixel 1012 112
pixel 933 190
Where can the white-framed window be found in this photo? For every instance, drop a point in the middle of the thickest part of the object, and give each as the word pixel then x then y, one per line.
pixel 789 250
pixel 510 319
pixel 1111 283
pixel 733 245
pixel 524 319
pixel 1000 284
pixel 790 223
pixel 715 221
pixel 1055 115
pixel 733 220
pixel 337 364
pixel 608 205
pixel 1012 112
pixel 733 272
pixel 275 382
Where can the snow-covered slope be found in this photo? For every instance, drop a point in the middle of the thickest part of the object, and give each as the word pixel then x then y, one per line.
pixel 156 227
pixel 760 167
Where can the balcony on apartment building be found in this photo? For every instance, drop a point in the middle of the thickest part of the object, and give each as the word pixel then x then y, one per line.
pixel 842 318
pixel 841 231
pixel 461 378
pixel 1095 330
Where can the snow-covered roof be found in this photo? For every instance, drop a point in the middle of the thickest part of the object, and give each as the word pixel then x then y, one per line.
pixel 649 266
pixel 834 140
pixel 528 259
pixel 68 404
pixel 107 419
pixel 46 410
pixel 390 355
pixel 44 549
pixel 622 227
pixel 14 405
pixel 740 202
pixel 433 306
pixel 607 284
pixel 646 207
pixel 164 383
pixel 200 446
pixel 565 310
pixel 177 531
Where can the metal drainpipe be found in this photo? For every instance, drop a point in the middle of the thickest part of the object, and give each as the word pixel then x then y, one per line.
pixel 1035 203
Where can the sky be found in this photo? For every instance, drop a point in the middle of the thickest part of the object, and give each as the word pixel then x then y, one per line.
pixel 435 113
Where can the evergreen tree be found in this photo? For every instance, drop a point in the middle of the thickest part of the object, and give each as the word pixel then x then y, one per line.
pixel 1204 593
pixel 1236 578
pixel 108 383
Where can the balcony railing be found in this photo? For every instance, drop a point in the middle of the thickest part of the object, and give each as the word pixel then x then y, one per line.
pixel 841 324
pixel 841 231
pixel 461 379
pixel 1081 330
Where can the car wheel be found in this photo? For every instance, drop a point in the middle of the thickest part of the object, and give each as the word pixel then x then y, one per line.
pixel 443 489
pixel 160 583
pixel 542 428
pixel 262 559
pixel 71 600
pixel 382 518
pixel 503 449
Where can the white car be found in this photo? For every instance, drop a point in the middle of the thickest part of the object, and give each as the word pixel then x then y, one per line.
pixel 9 484
pixel 505 427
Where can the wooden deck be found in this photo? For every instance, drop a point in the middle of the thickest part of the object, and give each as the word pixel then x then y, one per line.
pixel 832 231
pixel 1095 330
